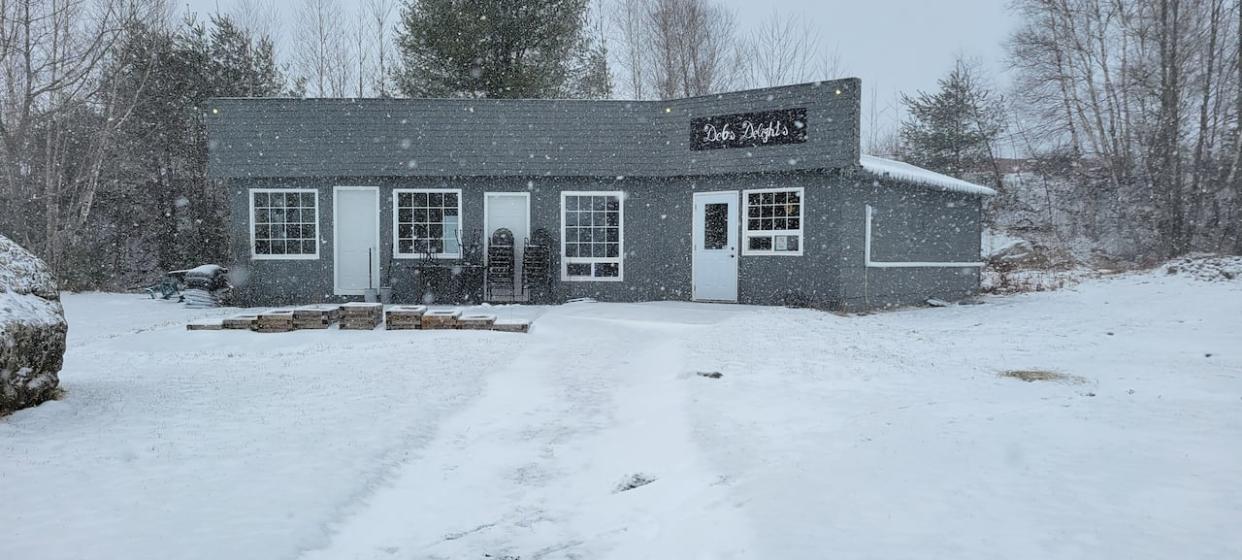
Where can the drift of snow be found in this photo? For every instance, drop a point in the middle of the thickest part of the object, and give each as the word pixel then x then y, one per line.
pixel 885 436
pixel 906 172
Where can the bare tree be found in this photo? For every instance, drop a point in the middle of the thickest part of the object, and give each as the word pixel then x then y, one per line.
pixel 259 17
pixel 322 53
pixel 59 112
pixel 694 47
pixel 787 49
pixel 380 13
pixel 628 18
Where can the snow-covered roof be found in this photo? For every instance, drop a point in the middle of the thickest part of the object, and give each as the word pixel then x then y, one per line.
pixel 906 172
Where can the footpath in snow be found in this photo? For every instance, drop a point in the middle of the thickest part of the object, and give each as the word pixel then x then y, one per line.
pixel 884 436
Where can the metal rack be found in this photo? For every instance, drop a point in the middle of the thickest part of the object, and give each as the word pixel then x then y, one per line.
pixel 537 266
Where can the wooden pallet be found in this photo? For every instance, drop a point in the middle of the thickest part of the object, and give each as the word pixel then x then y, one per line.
pixel 359 316
pixel 441 319
pixel 316 316
pixel 476 322
pixel 240 322
pixel 404 317
pixel 511 325
pixel 279 320
pixel 205 326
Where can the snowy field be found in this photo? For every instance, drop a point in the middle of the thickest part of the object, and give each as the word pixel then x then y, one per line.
pixel 884 436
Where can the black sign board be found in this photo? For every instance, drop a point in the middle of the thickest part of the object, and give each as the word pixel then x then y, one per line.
pixel 749 130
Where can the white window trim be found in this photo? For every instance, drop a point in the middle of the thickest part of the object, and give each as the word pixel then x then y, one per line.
pixel 619 259
pixel 747 234
pixel 905 264
pixel 396 241
pixel 318 227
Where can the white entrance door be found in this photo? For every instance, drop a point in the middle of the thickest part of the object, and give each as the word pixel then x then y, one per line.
pixel 715 246
pixel 509 210
pixel 355 229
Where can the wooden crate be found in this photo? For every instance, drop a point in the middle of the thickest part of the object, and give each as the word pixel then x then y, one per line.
pixel 240 322
pixel 476 322
pixel 316 316
pixel 404 317
pixel 361 316
pixel 280 320
pixel 441 319
pixel 511 325
pixel 205 326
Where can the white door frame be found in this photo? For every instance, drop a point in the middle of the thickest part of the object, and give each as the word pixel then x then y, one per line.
pixel 487 228
pixel 694 210
pixel 336 253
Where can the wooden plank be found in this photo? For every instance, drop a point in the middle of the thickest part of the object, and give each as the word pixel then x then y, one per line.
pixel 441 319
pixel 476 322
pixel 205 326
pixel 511 325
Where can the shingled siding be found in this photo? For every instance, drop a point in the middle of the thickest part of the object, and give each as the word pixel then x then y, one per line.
pixel 657 226
pixel 272 138
pixel 910 223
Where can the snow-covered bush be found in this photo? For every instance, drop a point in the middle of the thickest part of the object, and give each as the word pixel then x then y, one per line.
pixel 32 329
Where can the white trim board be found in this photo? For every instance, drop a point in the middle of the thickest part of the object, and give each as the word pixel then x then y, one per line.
pixel 905 264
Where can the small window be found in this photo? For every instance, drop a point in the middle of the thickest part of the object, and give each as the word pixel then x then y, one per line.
pixel 591 236
pixel 427 222
pixel 284 223
pixel 773 223
pixel 715 226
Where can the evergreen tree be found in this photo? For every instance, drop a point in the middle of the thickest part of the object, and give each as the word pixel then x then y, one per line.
pixel 498 49
pixel 953 130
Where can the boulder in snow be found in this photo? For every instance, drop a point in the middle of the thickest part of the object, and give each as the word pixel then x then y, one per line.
pixel 32 329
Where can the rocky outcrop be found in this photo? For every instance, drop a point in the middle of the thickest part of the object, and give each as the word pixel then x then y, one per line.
pixel 32 329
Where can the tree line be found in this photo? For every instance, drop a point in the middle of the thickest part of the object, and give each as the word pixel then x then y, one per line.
pixel 1125 114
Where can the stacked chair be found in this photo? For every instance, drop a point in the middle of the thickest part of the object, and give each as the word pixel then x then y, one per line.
pixel 500 262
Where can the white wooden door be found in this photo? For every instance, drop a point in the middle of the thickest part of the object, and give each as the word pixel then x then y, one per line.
pixel 355 229
pixel 715 246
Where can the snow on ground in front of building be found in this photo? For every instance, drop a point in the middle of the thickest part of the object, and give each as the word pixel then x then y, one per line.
pixel 882 436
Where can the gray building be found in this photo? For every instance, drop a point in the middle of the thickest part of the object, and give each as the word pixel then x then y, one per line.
pixel 758 197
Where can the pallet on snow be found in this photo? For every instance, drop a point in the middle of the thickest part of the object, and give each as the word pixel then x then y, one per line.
pixel 316 316
pixel 279 320
pixel 361 316
pixel 239 322
pixel 441 319
pixel 205 326
pixel 404 317
pixel 476 322
pixel 511 325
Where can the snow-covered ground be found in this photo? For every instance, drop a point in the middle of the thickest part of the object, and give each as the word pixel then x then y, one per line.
pixel 884 436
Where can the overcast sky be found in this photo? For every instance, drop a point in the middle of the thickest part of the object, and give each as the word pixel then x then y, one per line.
pixel 893 45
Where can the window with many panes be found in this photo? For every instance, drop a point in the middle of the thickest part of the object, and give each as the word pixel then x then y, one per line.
pixel 284 223
pixel 773 222
pixel 427 222
pixel 591 236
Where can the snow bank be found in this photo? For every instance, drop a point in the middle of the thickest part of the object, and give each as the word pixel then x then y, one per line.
pixel 906 172
pixel 1206 268
pixel 32 329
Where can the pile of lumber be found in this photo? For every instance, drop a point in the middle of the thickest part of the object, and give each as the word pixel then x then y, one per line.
pixel 240 322
pixel 441 319
pixel 476 322
pixel 361 316
pixel 316 316
pixel 511 325
pixel 279 320
pixel 404 317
